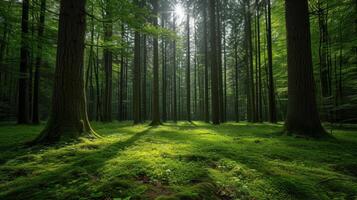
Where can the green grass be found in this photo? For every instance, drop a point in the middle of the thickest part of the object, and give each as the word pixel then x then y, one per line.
pixel 183 161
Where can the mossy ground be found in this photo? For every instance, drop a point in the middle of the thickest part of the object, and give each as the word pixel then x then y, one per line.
pixel 179 161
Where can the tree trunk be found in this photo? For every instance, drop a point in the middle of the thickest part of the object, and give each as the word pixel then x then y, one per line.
pixel 68 118
pixel 144 83
pixel 302 117
pixel 121 82
pixel 236 100
pixel 155 97
pixel 41 28
pixel 136 81
pixel 174 75
pixel 23 97
pixel 206 66
pixel 108 65
pixel 271 87
pixel 249 64
pixel 188 69
pixel 214 65
pixel 164 73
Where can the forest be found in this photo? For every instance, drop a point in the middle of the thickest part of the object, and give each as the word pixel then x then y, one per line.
pixel 178 99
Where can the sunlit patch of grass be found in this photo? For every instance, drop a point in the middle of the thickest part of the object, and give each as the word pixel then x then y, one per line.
pixel 179 161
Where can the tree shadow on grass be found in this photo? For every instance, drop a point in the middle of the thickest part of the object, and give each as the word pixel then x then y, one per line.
pixel 26 186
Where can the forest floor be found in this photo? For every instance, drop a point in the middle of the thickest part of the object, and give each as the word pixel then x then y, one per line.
pixel 179 161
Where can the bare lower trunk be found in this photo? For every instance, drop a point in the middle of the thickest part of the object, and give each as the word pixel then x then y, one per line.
pixel 69 119
pixel 302 117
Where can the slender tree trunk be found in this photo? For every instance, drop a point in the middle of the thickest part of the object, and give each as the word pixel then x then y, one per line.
pixel 188 71
pixel 108 65
pixel 236 100
pixel 155 99
pixel 164 73
pixel 98 88
pixel 302 117
pixel 249 63
pixel 69 112
pixel 272 101
pixel 205 40
pixel 137 81
pixel 144 82
pixel 174 75
pixel 195 77
pixel 214 65
pixel 121 82
pixel 259 73
pixel 23 97
pixel 219 61
pixel 41 28
pixel 224 74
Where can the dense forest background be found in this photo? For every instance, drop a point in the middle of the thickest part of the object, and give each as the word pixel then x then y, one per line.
pixel 181 99
pixel 249 33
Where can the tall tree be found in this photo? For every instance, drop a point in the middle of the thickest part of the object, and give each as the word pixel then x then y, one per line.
pixel 137 79
pixel 108 65
pixel 23 100
pixel 249 62
pixel 271 87
pixel 155 90
pixel 214 65
pixel 164 72
pixel 205 43
pixel 69 111
pixel 121 82
pixel 302 117
pixel 174 112
pixel 188 69
pixel 144 82
pixel 41 28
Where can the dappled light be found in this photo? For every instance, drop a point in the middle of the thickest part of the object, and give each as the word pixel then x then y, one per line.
pixel 178 100
pixel 174 160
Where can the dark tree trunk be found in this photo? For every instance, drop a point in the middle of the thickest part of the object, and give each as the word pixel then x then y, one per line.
pixel 188 73
pixel 41 28
pixel 258 67
pixel 174 75
pixel 271 87
pixel 108 65
pixel 69 112
pixel 302 117
pixel 98 88
pixel 249 64
pixel 155 90
pixel 219 61
pixel 164 73
pixel 121 82
pixel 214 65
pixel 136 81
pixel 236 100
pixel 144 83
pixel 23 97
pixel 205 40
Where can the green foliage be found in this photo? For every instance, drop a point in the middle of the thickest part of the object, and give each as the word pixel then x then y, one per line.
pixel 183 161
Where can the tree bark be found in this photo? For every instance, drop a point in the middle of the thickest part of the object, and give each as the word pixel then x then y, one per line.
pixel 271 87
pixel 108 65
pixel 188 71
pixel 41 28
pixel 155 90
pixel 174 75
pixel 23 97
pixel 68 118
pixel 302 117
pixel 205 40
pixel 214 65
pixel 137 80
